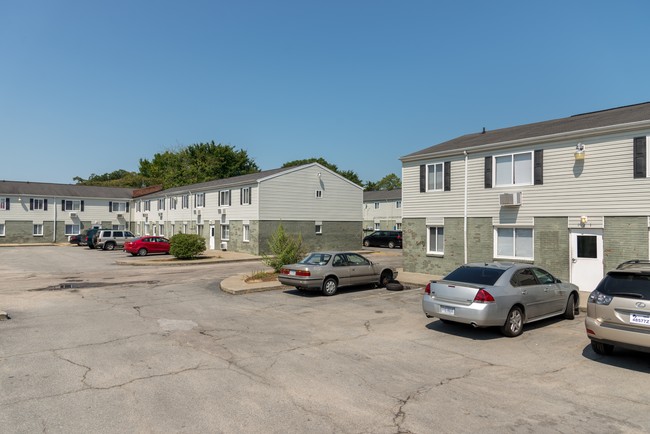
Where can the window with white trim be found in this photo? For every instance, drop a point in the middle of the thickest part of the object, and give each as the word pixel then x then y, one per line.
pixel 435 177
pixel 377 226
pixel 2 229
pixel 161 229
pixel 514 242
pixel 3 203
pixel 38 230
pixel 224 198
pixel 319 229
pixel 118 206
pixel 398 226
pixel 245 196
pixel 161 204
pixel 71 205
pixel 376 205
pixel 72 230
pixel 398 204
pixel 513 169
pixel 185 201
pixel 173 202
pixel 147 205
pixel 246 231
pixel 319 194
pixel 199 200
pixel 37 204
pixel 436 240
pixel 225 232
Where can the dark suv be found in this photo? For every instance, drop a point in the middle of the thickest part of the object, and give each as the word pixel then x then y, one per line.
pixel 618 310
pixel 390 239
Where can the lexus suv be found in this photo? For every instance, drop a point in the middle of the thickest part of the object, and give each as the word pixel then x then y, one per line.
pixel 618 310
pixel 109 239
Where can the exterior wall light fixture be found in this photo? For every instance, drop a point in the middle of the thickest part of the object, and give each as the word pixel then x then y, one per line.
pixel 580 151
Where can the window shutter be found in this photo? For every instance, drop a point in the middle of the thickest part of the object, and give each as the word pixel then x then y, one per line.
pixel 82 205
pixel 241 196
pixel 423 178
pixel 63 205
pixel 447 175
pixel 31 204
pixel 45 205
pixel 640 157
pixel 488 172
pixel 219 201
pixel 127 207
pixel 539 167
pixel 110 206
pixel 229 197
pixel 7 205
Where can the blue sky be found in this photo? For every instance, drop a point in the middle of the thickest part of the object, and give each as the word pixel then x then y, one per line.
pixel 92 87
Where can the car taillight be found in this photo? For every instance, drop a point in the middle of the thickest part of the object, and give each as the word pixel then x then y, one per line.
pixel 303 273
pixel 284 271
pixel 427 289
pixel 482 296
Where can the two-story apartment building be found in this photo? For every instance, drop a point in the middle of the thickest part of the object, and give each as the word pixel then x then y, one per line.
pixel 570 194
pixel 382 210
pixel 243 212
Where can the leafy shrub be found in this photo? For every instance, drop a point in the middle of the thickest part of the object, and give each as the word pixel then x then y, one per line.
pixel 186 246
pixel 285 249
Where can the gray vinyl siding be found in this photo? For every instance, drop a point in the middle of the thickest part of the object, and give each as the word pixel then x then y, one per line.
pixel 602 184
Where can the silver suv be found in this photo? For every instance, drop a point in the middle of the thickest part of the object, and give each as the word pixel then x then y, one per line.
pixel 618 310
pixel 109 239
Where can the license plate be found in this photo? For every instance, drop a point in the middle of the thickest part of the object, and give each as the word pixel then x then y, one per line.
pixel 447 310
pixel 636 318
pixel 292 272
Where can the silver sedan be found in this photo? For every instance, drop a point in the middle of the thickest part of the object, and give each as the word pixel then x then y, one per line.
pixel 327 271
pixel 506 295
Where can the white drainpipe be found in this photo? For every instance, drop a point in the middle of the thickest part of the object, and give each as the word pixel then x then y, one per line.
pixel 465 211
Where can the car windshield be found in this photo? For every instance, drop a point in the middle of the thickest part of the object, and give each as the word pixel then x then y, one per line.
pixel 475 275
pixel 316 259
pixel 631 285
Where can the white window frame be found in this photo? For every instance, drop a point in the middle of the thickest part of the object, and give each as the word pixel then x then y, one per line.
pixel 147 205
pixel 438 249
pixel 398 226
pixel 71 205
pixel 319 229
pixel 225 232
pixel 246 233
pixel 513 253
pixel 435 183
pixel 377 226
pixel 161 230
pixel 199 200
pixel 318 194
pixel 376 205
pixel 2 229
pixel 173 202
pixel 185 201
pixel 224 198
pixel 161 204
pixel 3 203
pixel 398 204
pixel 513 169
pixel 37 230
pixel 38 204
pixel 246 196
pixel 118 206
pixel 72 229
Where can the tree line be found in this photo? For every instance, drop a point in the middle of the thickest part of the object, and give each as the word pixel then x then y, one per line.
pixel 204 162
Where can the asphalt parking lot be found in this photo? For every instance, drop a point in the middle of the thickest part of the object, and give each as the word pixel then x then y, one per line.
pixel 93 346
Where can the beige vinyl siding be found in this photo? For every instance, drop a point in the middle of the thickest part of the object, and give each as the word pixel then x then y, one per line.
pixel 603 184
pixel 387 210
pixel 292 196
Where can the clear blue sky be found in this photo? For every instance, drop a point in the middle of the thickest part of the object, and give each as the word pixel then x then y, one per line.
pixel 92 87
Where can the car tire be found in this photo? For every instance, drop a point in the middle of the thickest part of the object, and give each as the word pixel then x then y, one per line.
pixel 391 244
pixel 601 348
pixel 366 243
pixel 385 278
pixel 570 311
pixel 394 286
pixel 134 254
pixel 330 285
pixel 142 252
pixel 109 246
pixel 514 325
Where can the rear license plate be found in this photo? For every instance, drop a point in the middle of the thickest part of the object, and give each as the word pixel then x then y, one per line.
pixel 292 272
pixel 447 310
pixel 636 318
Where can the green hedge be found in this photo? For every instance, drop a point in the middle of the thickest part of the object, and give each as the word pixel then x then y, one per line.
pixel 186 246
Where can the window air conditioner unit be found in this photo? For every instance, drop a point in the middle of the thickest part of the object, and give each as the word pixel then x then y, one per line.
pixel 73 215
pixel 224 245
pixel 119 216
pixel 510 199
pixel 160 215
pixel 220 211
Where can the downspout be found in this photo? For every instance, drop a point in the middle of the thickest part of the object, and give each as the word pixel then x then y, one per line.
pixel 54 234
pixel 465 211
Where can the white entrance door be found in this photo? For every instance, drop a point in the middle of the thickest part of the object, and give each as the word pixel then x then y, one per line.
pixel 586 258
pixel 211 237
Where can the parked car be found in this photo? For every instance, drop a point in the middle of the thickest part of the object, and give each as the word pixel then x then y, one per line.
pixel 109 239
pixel 142 246
pixel 506 295
pixel 74 239
pixel 87 237
pixel 390 239
pixel 618 310
pixel 328 271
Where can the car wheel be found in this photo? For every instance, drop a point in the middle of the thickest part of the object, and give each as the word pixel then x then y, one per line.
pixel 570 311
pixel 134 254
pixel 385 278
pixel 329 286
pixel 142 252
pixel 391 244
pixel 601 348
pixel 394 285
pixel 514 325
pixel 366 243
pixel 109 246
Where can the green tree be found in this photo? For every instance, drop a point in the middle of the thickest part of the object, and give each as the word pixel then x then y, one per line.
pixel 118 178
pixel 388 182
pixel 186 246
pixel 285 249
pixel 348 174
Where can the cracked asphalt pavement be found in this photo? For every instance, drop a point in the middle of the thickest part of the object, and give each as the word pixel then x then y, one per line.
pixel 93 346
